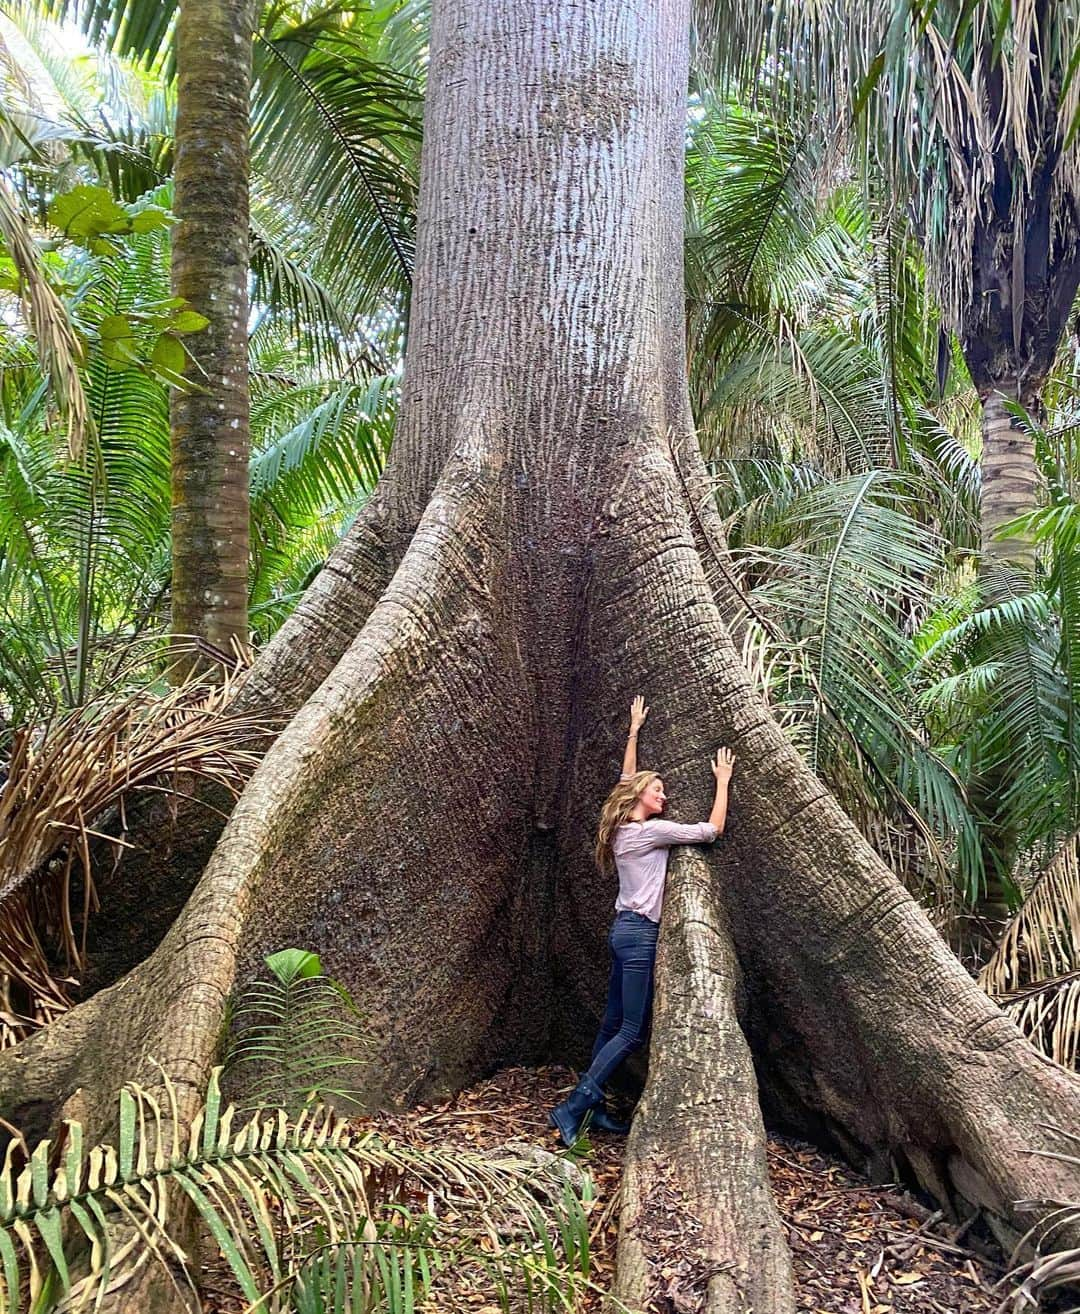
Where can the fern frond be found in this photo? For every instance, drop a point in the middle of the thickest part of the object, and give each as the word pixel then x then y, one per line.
pixel 299 1037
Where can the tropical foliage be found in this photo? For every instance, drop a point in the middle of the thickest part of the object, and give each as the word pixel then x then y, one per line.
pixel 939 702
pixel 310 1214
pixel 85 565
pixel 298 1038
pixel 825 272
pixel 69 781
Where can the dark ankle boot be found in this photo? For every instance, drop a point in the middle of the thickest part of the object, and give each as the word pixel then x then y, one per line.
pixel 603 1121
pixel 569 1116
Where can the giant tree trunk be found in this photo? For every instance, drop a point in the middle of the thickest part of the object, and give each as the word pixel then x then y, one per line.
pixel 542 548
pixel 210 436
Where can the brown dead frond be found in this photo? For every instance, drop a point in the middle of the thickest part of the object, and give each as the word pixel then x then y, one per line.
pixel 1048 1013
pixel 68 779
pixel 1042 939
pixel 1052 1266
pixel 1034 972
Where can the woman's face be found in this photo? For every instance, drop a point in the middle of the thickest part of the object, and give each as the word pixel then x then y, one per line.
pixel 653 798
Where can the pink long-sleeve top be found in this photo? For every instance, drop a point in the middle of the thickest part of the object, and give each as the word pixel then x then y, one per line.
pixel 641 856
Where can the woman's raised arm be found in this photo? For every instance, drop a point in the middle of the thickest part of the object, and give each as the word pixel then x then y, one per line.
pixel 638 713
pixel 721 769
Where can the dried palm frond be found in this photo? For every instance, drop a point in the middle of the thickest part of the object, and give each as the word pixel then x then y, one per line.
pixel 1050 1268
pixel 1048 1013
pixel 66 779
pixel 59 350
pixel 1042 939
pixel 304 1212
pixel 1034 973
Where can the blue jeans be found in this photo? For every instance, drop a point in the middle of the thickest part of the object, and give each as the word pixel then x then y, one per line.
pixel 625 1027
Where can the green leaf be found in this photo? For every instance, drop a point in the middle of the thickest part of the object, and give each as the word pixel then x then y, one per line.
pixel 169 356
pixel 150 218
pixel 118 341
pixel 39 1172
pixel 212 1110
pixel 214 1222
pixel 188 321
pixel 127 1133
pixel 73 1159
pixel 866 87
pixel 88 211
pixel 292 964
pixel 11 1272
pixel 48 1225
pixel 115 328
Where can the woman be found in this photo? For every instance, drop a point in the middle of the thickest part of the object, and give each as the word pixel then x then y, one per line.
pixel 632 840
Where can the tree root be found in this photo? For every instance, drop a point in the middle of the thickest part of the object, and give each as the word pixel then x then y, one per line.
pixel 698 1216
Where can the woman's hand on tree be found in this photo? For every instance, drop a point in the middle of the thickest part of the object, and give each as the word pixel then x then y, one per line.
pixel 724 764
pixel 638 713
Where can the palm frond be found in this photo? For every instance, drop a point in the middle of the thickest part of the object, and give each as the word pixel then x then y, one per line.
pixel 65 778
pixel 969 111
pixel 59 348
pixel 837 570
pixel 334 137
pixel 309 1214
pixel 1042 939
pixel 1051 1268
pixel 1048 1013
pixel 298 1037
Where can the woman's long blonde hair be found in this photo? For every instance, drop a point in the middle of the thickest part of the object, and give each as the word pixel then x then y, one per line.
pixel 616 812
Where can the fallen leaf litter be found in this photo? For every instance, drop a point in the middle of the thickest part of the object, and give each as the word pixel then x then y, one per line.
pixel 856 1248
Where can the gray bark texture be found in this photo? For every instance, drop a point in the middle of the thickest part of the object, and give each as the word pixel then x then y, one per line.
pixel 541 549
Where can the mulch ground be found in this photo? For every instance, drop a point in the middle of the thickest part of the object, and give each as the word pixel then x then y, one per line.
pixel 856 1248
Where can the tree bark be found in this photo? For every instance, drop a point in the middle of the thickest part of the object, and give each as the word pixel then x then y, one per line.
pixel 210 423
pixel 734 1256
pixel 1010 482
pixel 425 820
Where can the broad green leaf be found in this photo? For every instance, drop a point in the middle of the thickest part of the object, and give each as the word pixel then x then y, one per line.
pixel 188 321
pixel 291 964
pixel 169 356
pixel 150 218
pixel 87 212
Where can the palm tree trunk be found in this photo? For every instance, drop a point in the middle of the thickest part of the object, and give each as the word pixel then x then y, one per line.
pixel 1010 479
pixel 210 434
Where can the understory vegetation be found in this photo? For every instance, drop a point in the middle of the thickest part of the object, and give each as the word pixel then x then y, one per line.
pixel 310 1214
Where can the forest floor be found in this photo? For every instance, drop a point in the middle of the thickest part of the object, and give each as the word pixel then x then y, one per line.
pixel 857 1248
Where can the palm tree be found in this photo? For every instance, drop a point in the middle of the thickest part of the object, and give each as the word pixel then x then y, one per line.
pixel 967 112
pixel 210 420
pixel 326 334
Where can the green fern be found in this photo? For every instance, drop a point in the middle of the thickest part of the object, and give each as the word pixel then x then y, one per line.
pixel 300 1210
pixel 299 1037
